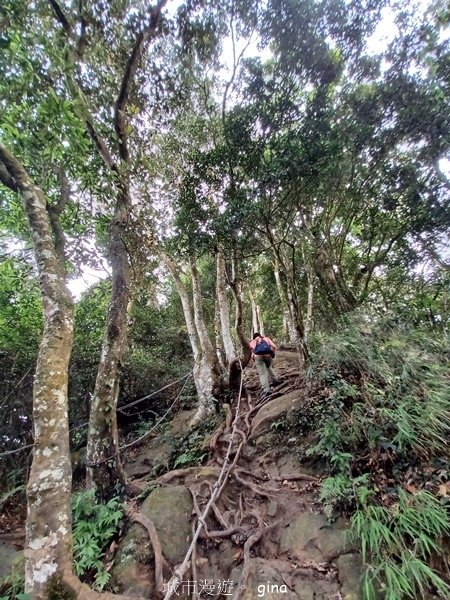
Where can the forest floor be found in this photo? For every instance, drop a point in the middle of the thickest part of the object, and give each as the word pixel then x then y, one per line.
pixel 265 535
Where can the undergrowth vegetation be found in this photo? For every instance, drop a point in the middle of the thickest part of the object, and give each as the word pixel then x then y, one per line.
pixel 94 526
pixel 379 418
pixel 192 450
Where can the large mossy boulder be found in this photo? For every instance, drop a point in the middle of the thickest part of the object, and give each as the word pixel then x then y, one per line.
pixel 350 568
pixel 170 511
pixel 273 411
pixel 310 536
pixel 271 581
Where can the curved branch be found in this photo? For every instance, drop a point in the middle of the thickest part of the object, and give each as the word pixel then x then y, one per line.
pixel 148 525
pixel 7 179
pixel 66 24
pixel 128 78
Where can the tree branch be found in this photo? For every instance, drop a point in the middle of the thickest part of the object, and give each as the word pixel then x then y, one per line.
pixel 128 77
pixel 55 211
pixel 67 26
pixel 7 179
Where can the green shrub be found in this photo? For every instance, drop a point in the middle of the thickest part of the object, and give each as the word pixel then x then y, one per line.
pixel 12 587
pixel 379 403
pixel 191 450
pixel 386 391
pixel 344 492
pixel 397 543
pixel 94 525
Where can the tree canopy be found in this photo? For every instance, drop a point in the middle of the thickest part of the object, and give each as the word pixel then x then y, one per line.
pixel 225 168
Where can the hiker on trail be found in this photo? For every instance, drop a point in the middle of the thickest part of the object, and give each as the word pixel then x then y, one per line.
pixel 263 350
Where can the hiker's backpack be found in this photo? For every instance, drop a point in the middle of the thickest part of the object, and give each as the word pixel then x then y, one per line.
pixel 263 347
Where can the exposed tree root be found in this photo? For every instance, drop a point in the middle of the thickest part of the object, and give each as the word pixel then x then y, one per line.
pixel 156 544
pixel 197 471
pixel 241 507
pixel 224 533
pixel 229 417
pixel 230 470
pixel 71 586
pixel 242 434
pixel 252 540
pixel 195 594
pixel 255 474
pixel 255 489
pixel 219 516
pixel 215 438
pixel 221 533
pixel 295 477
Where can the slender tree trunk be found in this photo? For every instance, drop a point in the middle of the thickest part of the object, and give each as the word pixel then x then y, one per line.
pixel 104 469
pixel 238 364
pixel 207 371
pixel 260 320
pixel 48 527
pixel 336 290
pixel 222 301
pixel 220 349
pixel 309 308
pixel 286 329
pixel 203 335
pixel 285 303
pixel 255 327
pixel 185 303
pixel 300 342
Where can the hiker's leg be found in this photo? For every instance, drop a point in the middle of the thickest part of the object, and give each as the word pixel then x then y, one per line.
pixel 271 375
pixel 263 373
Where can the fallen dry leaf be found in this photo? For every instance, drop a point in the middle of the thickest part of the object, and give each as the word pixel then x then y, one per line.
pixel 411 488
pixel 443 490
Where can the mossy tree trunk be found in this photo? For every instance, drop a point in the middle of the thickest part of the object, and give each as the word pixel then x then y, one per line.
pixel 206 367
pixel 284 303
pixel 104 469
pixel 224 312
pixel 48 525
pixel 207 372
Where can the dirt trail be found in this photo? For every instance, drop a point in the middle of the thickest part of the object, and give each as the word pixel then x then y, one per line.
pixel 265 536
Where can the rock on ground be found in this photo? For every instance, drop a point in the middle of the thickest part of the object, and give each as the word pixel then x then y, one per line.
pixel 170 511
pixel 310 536
pixel 273 411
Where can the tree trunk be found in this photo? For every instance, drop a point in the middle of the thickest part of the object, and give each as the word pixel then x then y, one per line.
pixel 104 469
pixel 300 342
pixel 309 322
pixel 185 303
pixel 207 372
pixel 48 526
pixel 222 301
pixel 220 349
pixel 260 320
pixel 255 328
pixel 238 364
pixel 286 329
pixel 336 290
pixel 284 303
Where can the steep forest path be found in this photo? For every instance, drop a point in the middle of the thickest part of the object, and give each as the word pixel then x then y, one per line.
pixel 264 536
